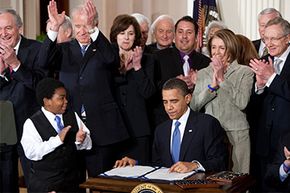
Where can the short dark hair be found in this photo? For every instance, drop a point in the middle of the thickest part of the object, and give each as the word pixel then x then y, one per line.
pixel 188 19
pixel 46 88
pixel 176 83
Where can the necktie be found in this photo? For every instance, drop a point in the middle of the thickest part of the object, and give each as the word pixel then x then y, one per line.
pixel 265 52
pixel 58 123
pixel 176 143
pixel 83 49
pixel 83 114
pixel 277 63
pixel 186 65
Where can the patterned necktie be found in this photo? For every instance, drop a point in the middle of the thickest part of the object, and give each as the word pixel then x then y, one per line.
pixel 176 143
pixel 58 123
pixel 265 52
pixel 186 65
pixel 83 49
pixel 277 67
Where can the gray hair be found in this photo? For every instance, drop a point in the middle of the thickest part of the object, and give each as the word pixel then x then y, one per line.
pixel 16 16
pixel 282 22
pixel 214 24
pixel 81 9
pixel 269 11
pixel 141 18
pixel 160 18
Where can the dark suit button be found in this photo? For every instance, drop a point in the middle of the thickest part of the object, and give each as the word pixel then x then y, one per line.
pixel 273 109
pixel 81 77
pixel 123 93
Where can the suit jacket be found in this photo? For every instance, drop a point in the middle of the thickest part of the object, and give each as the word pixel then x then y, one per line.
pixel 18 87
pixel 257 44
pixel 274 110
pixel 132 90
pixel 229 103
pixel 89 82
pixel 272 177
pixel 153 47
pixel 169 64
pixel 202 141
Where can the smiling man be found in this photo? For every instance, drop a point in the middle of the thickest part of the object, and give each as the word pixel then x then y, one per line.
pixel 19 74
pixel 272 93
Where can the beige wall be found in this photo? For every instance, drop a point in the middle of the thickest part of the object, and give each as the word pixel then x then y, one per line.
pixel 239 15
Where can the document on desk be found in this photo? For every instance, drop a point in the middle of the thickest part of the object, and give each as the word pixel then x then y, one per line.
pixel 147 173
pixel 130 171
pixel 164 174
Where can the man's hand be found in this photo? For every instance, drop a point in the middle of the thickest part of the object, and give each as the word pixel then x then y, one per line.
pixel 81 135
pixel 3 66
pixel 183 167
pixel 91 12
pixel 125 161
pixel 55 19
pixel 63 133
pixel 263 70
pixel 188 80
pixel 8 56
pixel 287 156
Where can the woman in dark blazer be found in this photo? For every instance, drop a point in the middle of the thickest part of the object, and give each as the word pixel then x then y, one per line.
pixel 133 84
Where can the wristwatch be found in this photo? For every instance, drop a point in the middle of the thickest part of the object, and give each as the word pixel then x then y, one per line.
pixel 92 31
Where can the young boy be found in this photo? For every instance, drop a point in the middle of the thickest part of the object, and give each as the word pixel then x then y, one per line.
pixel 51 138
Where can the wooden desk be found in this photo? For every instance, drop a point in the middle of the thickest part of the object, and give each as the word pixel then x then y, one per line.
pixel 127 185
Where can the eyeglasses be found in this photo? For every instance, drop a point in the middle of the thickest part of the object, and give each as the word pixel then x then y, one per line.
pixel 273 39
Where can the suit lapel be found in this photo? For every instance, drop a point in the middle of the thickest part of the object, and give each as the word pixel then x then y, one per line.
pixel 23 51
pixel 189 132
pixel 286 68
pixel 167 145
pixel 177 61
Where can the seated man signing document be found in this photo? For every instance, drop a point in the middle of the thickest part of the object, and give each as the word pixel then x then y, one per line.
pixel 189 140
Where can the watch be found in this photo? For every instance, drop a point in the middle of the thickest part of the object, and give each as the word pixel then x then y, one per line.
pixel 92 31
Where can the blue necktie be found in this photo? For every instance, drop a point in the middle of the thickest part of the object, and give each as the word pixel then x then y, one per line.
pixel 58 123
pixel 176 143
pixel 83 49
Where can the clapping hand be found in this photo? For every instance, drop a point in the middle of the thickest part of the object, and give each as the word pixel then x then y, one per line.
pixel 263 70
pixel 55 19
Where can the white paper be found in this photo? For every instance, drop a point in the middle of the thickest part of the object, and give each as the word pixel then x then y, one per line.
pixel 164 174
pixel 129 172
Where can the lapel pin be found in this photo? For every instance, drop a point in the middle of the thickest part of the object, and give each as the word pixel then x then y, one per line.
pixel 94 50
pixel 190 131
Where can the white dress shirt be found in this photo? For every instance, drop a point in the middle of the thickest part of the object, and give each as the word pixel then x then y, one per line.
pixel 183 121
pixel 35 148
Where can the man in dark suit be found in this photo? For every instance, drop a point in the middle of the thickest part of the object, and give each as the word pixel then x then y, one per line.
pixel 85 65
pixel 171 63
pixel 277 173
pixel 272 94
pixel 264 16
pixel 200 136
pixel 163 31
pixel 19 74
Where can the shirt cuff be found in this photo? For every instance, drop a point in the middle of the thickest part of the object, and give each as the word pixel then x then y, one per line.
pixel 94 35
pixel 270 80
pixel 259 90
pixel 52 35
pixel 15 69
pixel 283 175
pixel 200 167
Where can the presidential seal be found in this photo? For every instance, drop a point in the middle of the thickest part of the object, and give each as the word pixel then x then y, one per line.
pixel 146 188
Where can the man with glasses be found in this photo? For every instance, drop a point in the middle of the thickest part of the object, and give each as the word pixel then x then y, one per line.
pixel 272 94
pixel 264 16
